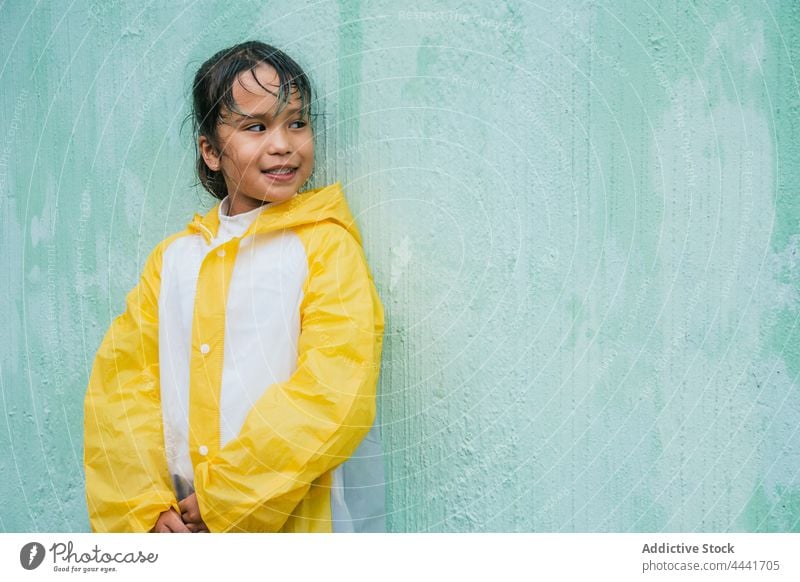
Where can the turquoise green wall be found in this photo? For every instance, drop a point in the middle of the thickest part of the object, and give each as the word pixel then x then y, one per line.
pixel 584 223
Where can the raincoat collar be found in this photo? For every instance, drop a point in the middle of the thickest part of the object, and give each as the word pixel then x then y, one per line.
pixel 311 206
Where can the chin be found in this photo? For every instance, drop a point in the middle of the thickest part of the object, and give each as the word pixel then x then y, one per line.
pixel 270 198
pixel 279 196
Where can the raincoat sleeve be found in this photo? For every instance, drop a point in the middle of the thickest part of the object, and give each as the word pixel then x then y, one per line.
pixel 299 429
pixel 127 480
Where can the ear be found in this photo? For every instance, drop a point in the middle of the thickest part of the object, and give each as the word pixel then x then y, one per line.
pixel 210 155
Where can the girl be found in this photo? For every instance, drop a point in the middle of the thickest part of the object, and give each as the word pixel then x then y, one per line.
pixel 242 375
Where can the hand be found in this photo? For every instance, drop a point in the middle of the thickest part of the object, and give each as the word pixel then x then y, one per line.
pixel 170 522
pixel 190 513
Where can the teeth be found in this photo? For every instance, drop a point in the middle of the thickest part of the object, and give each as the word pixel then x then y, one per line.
pixel 281 171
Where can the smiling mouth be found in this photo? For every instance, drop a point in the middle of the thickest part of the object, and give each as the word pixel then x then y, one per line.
pixel 285 171
pixel 286 174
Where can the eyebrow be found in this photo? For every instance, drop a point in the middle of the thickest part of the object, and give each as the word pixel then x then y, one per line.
pixel 265 115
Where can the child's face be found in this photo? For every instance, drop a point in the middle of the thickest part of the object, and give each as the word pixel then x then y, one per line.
pixel 253 144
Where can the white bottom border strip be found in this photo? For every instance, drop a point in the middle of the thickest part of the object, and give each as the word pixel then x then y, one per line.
pixel 354 557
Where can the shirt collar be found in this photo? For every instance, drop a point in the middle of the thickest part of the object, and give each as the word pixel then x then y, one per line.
pixel 239 219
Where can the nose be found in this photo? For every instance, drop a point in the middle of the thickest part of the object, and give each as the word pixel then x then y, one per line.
pixel 278 142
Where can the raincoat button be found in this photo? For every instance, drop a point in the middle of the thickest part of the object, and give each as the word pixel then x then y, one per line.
pixel 205 348
pixel 221 253
pixel 203 450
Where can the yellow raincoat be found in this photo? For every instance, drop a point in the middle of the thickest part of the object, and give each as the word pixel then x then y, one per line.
pixel 277 472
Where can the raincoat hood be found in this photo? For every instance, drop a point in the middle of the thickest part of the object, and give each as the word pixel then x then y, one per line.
pixel 326 204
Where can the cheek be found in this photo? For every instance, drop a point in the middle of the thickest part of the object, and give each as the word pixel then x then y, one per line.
pixel 240 157
pixel 303 143
pixel 307 147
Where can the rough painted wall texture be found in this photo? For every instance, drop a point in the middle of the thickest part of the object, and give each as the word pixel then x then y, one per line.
pixel 583 222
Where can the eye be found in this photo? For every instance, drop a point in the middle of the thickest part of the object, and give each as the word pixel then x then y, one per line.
pixel 299 121
pixel 256 127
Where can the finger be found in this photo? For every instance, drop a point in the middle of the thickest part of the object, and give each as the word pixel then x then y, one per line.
pixel 175 524
pixel 194 518
pixel 160 526
pixel 190 513
pixel 188 503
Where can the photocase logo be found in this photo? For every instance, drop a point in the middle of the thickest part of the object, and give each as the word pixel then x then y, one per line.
pixel 31 555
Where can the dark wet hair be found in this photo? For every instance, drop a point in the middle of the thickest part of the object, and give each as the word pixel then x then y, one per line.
pixel 212 96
